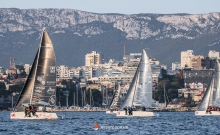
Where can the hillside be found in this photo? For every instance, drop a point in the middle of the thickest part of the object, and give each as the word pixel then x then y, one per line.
pixel 75 33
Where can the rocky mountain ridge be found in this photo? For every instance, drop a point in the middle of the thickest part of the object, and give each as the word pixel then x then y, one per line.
pixel 92 31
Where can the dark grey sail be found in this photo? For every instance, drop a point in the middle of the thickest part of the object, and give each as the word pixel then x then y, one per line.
pixel 26 92
pixel 44 92
pixel 140 91
pixel 40 86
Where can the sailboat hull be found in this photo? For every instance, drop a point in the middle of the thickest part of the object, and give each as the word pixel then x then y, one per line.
pixel 203 113
pixel 135 114
pixel 111 112
pixel 39 116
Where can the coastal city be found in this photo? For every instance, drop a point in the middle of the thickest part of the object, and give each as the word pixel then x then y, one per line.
pixel 119 67
pixel 95 85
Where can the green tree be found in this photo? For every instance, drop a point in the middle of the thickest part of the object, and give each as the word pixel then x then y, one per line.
pixel 2 86
pixel 172 93
pixel 159 95
pixel 16 88
pixel 96 97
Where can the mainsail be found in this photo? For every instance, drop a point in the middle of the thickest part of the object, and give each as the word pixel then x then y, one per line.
pixel 140 91
pixel 212 94
pixel 40 86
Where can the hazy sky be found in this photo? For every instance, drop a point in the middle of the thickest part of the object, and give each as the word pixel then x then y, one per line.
pixel 121 6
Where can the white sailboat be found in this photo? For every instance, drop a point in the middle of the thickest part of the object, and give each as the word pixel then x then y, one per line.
pixel 140 91
pixel 212 95
pixel 115 102
pixel 40 87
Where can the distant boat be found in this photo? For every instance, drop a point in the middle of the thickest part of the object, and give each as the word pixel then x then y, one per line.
pixel 212 95
pixel 140 91
pixel 116 102
pixel 96 126
pixel 40 86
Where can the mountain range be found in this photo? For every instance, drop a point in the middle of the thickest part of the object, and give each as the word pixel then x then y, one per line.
pixel 75 33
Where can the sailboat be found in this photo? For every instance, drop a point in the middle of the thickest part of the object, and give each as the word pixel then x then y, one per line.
pixel 115 101
pixel 40 87
pixel 140 91
pixel 212 95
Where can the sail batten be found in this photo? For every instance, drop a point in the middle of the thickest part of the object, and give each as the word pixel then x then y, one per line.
pixel 140 90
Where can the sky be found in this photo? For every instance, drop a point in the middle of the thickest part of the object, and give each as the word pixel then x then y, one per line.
pixel 121 6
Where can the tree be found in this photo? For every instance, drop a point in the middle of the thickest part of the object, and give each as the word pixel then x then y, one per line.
pixel 159 95
pixel 2 86
pixel 96 96
pixel 64 82
pixel 17 87
pixel 172 93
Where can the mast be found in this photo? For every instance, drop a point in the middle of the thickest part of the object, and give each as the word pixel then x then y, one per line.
pixel 82 97
pixel 74 99
pixel 90 97
pixel 77 97
pixel 165 96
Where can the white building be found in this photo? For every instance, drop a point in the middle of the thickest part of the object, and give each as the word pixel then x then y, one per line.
pixel 63 72
pixel 175 66
pixel 27 68
pixel 213 54
pixel 186 58
pixel 93 58
pixel 112 79
pixel 2 70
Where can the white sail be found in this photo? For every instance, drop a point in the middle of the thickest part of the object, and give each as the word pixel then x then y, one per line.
pixel 212 94
pixel 140 91
pixel 116 100
pixel 216 90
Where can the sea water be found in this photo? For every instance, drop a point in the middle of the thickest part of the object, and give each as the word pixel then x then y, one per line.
pixel 81 123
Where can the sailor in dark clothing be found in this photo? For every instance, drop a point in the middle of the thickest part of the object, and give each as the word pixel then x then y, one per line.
pixel 25 110
pixel 34 109
pixel 132 108
pixel 129 110
pixel 44 109
pixel 29 110
pixel 126 110
pixel 143 108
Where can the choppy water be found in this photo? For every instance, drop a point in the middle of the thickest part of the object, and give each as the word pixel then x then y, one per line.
pixel 80 123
